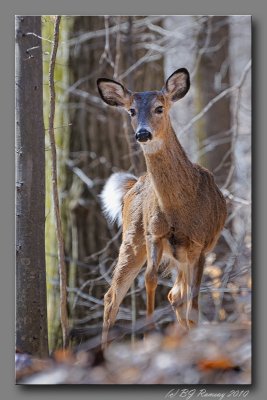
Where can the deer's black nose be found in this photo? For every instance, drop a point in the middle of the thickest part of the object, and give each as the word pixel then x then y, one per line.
pixel 143 135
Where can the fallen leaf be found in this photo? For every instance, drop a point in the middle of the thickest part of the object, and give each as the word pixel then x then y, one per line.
pixel 220 363
pixel 64 356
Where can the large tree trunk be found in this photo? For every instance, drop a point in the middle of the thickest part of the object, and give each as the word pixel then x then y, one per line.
pixel 213 76
pixel 215 129
pixel 31 316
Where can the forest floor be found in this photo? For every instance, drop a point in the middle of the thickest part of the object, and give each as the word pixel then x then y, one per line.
pixel 213 353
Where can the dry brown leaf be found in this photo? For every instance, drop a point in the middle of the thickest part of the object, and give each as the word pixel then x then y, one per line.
pixel 219 363
pixel 64 356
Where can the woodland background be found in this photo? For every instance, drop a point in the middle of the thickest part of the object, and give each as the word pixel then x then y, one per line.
pixel 213 123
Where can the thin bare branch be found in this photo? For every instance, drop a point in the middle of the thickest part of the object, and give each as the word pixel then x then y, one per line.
pixel 39 37
pixel 60 239
pixel 84 178
pixel 106 55
pixel 147 57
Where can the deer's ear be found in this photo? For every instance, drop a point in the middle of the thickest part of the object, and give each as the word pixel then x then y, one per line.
pixel 113 93
pixel 177 85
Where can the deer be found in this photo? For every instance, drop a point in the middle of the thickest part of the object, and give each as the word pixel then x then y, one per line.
pixel 172 215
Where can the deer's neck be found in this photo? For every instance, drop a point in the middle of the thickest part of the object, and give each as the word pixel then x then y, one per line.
pixel 173 176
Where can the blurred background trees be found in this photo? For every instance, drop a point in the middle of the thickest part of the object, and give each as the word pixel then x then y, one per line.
pixel 213 123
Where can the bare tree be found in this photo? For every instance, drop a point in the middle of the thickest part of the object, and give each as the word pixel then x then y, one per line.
pixel 31 317
pixel 60 239
pixel 213 76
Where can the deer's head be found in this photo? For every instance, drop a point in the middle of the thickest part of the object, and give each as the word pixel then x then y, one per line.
pixel 148 110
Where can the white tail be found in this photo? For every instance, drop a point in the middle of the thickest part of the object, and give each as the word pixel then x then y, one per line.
pixel 112 195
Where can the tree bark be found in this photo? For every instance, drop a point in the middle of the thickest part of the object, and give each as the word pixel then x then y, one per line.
pixel 213 77
pixel 214 130
pixel 31 314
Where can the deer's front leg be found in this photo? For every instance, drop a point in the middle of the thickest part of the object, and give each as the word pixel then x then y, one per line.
pixel 130 261
pixel 154 248
pixel 185 292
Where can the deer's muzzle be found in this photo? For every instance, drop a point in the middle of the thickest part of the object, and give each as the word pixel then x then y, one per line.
pixel 143 135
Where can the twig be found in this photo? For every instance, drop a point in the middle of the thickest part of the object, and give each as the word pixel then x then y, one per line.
pixel 98 253
pixel 137 64
pixel 203 49
pixel 39 37
pixel 118 50
pixel 60 240
pixel 106 55
pixel 84 178
pixel 75 261
pixel 237 199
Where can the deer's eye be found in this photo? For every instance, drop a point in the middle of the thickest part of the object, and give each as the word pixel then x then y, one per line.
pixel 159 110
pixel 132 112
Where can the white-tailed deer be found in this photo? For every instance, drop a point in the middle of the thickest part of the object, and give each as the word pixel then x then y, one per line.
pixel 172 214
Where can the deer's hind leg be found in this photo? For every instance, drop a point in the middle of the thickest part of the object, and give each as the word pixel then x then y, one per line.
pixel 131 259
pixel 185 293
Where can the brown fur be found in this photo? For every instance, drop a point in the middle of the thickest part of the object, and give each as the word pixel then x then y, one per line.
pixel 174 211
